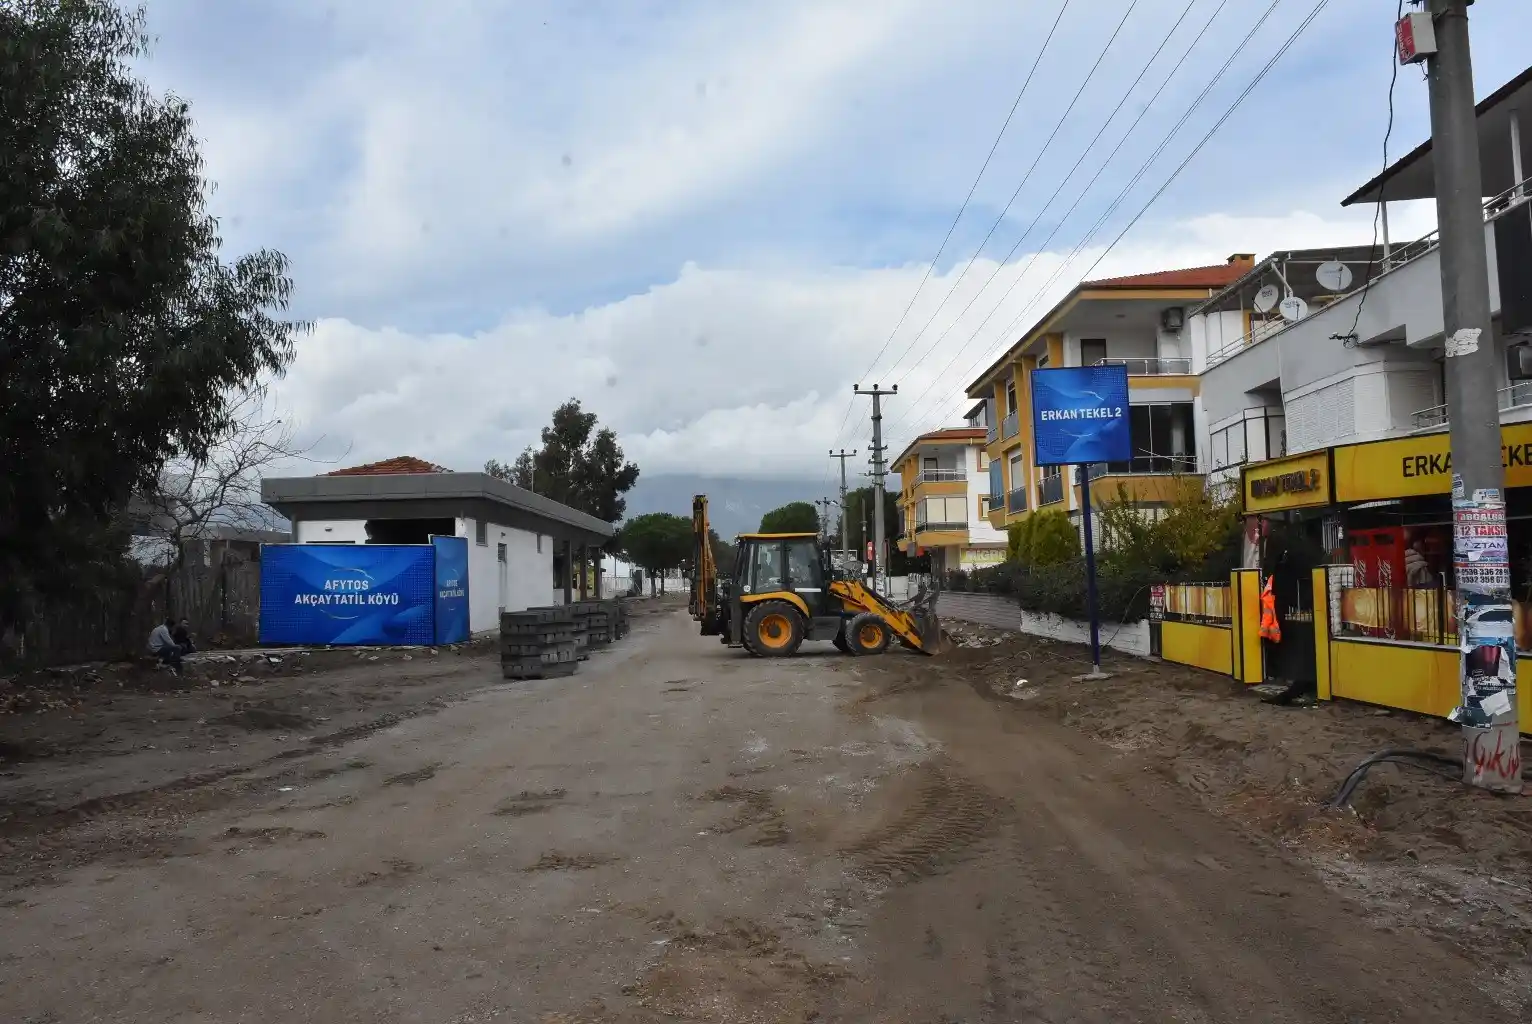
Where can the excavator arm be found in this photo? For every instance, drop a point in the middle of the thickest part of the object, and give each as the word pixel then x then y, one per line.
pixel 916 625
pixel 704 602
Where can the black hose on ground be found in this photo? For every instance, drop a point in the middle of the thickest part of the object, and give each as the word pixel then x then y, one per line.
pixel 1397 755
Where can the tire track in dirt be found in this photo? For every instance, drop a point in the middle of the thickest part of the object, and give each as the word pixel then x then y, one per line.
pixel 756 810
pixel 949 813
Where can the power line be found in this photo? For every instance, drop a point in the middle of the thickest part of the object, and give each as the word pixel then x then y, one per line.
pixel 1069 175
pixel 1117 201
pixel 1042 151
pixel 1137 177
pixel 966 200
pixel 1377 213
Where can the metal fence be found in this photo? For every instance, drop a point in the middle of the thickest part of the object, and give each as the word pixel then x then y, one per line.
pixel 1197 602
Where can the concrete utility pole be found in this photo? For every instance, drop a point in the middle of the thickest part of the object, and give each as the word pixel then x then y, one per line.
pixel 843 455
pixel 1491 742
pixel 878 470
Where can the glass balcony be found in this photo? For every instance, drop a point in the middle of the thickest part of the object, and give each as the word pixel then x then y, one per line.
pixel 940 476
pixel 1052 490
pixel 1010 427
pixel 1016 501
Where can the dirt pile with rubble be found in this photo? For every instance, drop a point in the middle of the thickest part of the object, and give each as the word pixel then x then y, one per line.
pixel 1418 847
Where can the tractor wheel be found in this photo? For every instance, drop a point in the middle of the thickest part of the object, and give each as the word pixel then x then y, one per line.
pixel 840 640
pixel 773 629
pixel 868 634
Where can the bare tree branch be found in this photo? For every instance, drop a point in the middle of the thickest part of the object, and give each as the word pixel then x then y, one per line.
pixel 198 496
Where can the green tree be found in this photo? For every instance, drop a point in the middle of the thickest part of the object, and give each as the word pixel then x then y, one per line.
pixel 578 465
pixel 794 517
pixel 656 542
pixel 122 333
pixel 1195 524
pixel 1043 538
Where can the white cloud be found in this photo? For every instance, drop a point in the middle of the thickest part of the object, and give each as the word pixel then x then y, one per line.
pixel 724 371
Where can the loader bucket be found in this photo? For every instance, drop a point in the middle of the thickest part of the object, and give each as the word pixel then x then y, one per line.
pixel 929 628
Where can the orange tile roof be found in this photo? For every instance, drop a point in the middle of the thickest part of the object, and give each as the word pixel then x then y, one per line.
pixel 399 464
pixel 945 434
pixel 954 434
pixel 1216 276
pixel 1213 278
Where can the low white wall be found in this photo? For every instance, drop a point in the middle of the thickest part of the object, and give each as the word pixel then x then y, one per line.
pixel 1002 612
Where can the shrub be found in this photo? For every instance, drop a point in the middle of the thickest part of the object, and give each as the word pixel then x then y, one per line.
pixel 1122 593
pixel 1043 538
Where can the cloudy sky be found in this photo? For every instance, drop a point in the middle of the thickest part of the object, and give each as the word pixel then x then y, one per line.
pixel 706 218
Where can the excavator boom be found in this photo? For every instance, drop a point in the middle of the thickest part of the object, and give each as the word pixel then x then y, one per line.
pixel 703 603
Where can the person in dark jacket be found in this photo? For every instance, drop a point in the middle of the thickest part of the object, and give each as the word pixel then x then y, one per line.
pixel 182 636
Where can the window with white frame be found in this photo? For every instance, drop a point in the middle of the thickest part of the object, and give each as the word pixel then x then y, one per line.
pixel 943 511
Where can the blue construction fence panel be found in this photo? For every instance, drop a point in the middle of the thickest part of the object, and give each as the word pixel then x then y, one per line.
pixel 349 593
pixel 451 589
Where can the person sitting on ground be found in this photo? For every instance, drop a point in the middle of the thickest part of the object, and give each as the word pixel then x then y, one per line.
pixel 163 645
pixel 182 636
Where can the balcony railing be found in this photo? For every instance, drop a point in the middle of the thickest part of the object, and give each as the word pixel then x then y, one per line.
pixel 1397 257
pixel 1052 490
pixel 940 476
pixel 993 434
pixel 1009 427
pixel 933 527
pixel 1016 501
pixel 1146 465
pixel 1151 367
pixel 1516 396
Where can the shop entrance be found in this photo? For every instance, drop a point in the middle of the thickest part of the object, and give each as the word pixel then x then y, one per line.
pixel 1291 555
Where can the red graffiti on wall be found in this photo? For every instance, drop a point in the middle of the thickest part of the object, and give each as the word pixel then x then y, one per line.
pixel 1502 762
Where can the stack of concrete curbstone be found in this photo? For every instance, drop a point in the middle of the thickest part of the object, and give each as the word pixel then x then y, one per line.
pixel 539 643
pixel 620 625
pixel 595 619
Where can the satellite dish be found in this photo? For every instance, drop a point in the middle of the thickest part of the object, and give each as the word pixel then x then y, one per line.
pixel 1333 276
pixel 1293 308
pixel 1266 298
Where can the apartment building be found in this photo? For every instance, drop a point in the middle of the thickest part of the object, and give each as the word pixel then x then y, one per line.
pixel 943 498
pixel 1347 396
pixel 1144 322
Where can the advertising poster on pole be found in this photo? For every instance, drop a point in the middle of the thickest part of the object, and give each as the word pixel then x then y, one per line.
pixel 1080 417
pixel 1486 616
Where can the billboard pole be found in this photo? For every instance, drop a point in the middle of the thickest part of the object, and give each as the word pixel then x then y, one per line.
pixel 1090 577
pixel 1080 417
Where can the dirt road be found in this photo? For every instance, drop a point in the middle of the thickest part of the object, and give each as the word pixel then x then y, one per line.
pixel 681 832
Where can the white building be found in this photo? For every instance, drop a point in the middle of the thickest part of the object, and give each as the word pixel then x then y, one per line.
pixel 1365 362
pixel 524 550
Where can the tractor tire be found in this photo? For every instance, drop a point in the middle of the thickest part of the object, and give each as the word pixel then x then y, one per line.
pixel 840 640
pixel 868 634
pixel 773 629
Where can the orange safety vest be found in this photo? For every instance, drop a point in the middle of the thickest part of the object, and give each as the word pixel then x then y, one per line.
pixel 1270 630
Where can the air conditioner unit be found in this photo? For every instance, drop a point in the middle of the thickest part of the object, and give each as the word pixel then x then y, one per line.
pixel 1172 318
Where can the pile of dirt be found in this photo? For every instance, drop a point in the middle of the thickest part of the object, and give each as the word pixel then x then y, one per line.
pixel 1270 767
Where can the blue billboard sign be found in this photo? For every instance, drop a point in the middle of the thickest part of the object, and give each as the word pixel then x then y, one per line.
pixel 348 594
pixel 1080 415
pixel 451 589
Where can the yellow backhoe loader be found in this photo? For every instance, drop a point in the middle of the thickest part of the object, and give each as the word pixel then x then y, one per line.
pixel 783 591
